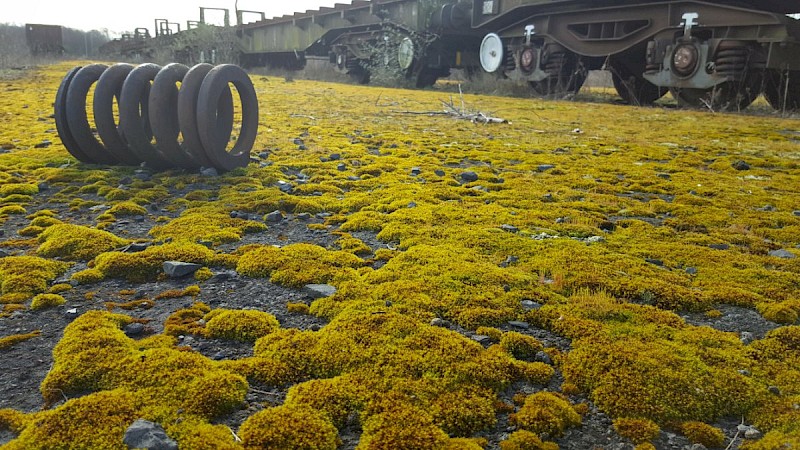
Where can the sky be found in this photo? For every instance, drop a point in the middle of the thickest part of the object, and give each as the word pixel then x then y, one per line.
pixel 125 15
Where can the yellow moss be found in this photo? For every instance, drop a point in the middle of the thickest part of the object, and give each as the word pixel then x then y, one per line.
pixel 289 428
pixel 337 397
pixel 8 341
pixel 28 274
pixel 299 308
pixel 59 288
pixel 637 431
pixel 207 224
pixel 703 433
pixel 147 264
pixel 546 412
pixel 13 420
pixel 464 412
pixel 42 301
pixel 525 440
pixel 784 312
pixel 14 298
pixel 12 209
pixel 645 446
pixel 399 425
pixel 31 231
pixel 298 264
pixel 240 325
pixel 45 221
pixel 133 304
pixel 88 276
pixel 186 321
pixel 203 274
pixel 18 188
pixel 521 346
pixel 123 209
pixel 76 242
pixel 494 333
pixel 193 291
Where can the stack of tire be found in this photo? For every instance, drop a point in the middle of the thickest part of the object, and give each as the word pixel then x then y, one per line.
pixel 154 113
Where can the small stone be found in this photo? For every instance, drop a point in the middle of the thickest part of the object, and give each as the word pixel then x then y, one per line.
pixel 691 270
pixel 319 290
pixel 154 207
pixel 774 390
pixel 543 358
pixel 698 447
pixel 353 178
pixel 746 337
pixel 519 324
pixel 595 239
pixel 297 141
pixel 752 434
pixel 302 147
pixel 664 176
pixel 388 303
pixel 481 339
pixel 548 198
pixel 219 356
pixel 274 217
pixel 740 165
pixel 530 304
pixel 439 172
pixel 545 167
pixel 3 253
pixel 43 187
pixel 655 262
pixel 469 177
pixel 133 329
pixel 411 205
pixel 744 372
pixel 782 253
pixel 796 213
pixel 209 172
pixel 509 228
pixel 263 155
pixel 719 246
pixel 144 434
pixel 439 322
pixel 334 157
pixel 341 167
pixel 303 216
pixel 219 278
pixel 204 243
pixel 178 269
pixel 284 186
pixel 509 261
pixel 44 144
pixel 136 247
pixel 138 219
pixel 415 171
pixel 607 226
pixel 71 314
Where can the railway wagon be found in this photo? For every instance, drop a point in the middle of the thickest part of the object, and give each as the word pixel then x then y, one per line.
pixel 716 54
pixel 417 39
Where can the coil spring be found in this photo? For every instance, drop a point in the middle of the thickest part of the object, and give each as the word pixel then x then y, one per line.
pixel 731 59
pixel 508 60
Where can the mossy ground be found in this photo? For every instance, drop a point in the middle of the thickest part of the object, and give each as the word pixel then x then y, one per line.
pixel 617 222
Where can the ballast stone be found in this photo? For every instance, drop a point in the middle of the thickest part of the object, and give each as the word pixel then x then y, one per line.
pixel 178 269
pixel 148 435
pixel 319 290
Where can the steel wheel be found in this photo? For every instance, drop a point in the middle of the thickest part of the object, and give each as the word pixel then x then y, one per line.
pixel 633 88
pixel 728 96
pixel 782 90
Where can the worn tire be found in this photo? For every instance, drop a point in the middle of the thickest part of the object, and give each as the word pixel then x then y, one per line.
pixel 214 84
pixel 62 124
pixel 187 113
pixel 133 116
pixel 164 116
pixel 108 87
pixel 77 118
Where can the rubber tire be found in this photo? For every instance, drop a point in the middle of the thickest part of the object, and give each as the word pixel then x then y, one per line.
pixel 163 101
pixel 62 124
pixel 77 118
pixel 215 83
pixel 134 122
pixel 108 87
pixel 187 113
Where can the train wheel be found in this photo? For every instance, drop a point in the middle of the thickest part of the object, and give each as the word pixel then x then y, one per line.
pixel 566 76
pixel 782 90
pixel 728 96
pixel 633 88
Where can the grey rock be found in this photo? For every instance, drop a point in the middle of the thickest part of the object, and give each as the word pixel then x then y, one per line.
pixel 519 324
pixel 71 314
pixel 752 434
pixel 719 246
pixel 543 358
pixel 144 434
pixel 3 253
pixel 545 167
pixel 319 290
pixel 439 172
pixel 782 253
pixel 133 329
pixel 285 186
pixel 178 269
pixel 481 339
pixel 353 178
pixel 219 356
pixel 315 327
pixel 509 228
pixel 303 216
pixel 341 167
pixel 205 243
pixel 746 337
pixel 548 198
pixel 664 176
pixel 334 157
pixel 744 372
pixel 530 304
pixel 774 390
pixel 43 187
pixel 562 219
pixel 691 270
pixel 219 278
pixel 439 322
pixel 209 172
pixel 138 219
pixel 697 447
pixel 796 213
pixel 469 176
pixel 44 144
pixel 595 239
pixel 274 217
pixel 740 165
pixel 412 205
pixel 655 262
pixel 415 171
pixel 509 261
